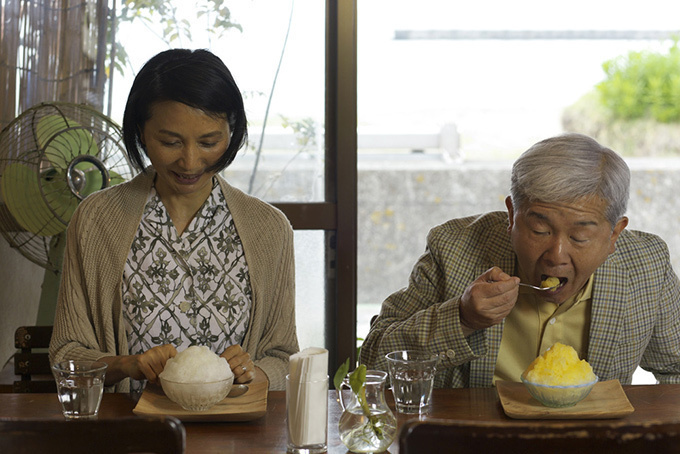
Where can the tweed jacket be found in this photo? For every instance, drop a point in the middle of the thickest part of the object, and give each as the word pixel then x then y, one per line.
pixel 635 315
pixel 89 319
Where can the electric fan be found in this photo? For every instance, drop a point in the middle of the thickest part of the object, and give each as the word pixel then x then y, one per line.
pixel 52 156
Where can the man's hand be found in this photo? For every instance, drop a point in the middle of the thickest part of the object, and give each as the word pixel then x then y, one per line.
pixel 488 300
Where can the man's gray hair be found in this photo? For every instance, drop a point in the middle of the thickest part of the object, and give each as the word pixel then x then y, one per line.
pixel 570 167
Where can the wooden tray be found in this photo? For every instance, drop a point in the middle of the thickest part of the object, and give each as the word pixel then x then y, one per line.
pixel 251 405
pixel 607 400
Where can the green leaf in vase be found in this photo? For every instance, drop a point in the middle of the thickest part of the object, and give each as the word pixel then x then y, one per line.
pixel 340 374
pixel 358 378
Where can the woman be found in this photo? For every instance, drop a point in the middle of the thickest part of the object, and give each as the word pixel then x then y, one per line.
pixel 176 256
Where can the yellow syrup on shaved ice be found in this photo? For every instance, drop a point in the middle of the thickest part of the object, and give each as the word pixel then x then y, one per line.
pixel 550 282
pixel 559 366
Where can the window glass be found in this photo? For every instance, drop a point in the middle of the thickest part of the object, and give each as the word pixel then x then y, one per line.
pixel 450 93
pixel 310 288
pixel 276 53
pixel 491 68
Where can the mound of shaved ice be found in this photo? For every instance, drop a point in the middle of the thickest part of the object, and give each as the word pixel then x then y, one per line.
pixel 550 282
pixel 196 364
pixel 559 365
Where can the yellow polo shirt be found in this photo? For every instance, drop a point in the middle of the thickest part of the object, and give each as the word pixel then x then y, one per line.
pixel 534 325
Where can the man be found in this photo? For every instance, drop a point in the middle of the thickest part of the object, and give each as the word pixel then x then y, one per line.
pixel 617 303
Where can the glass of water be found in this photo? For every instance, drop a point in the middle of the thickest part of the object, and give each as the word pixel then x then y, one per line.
pixel 412 378
pixel 80 385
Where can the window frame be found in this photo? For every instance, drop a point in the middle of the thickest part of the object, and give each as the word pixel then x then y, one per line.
pixel 337 216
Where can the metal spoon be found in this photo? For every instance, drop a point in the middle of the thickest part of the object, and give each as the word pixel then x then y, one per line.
pixel 539 288
pixel 238 390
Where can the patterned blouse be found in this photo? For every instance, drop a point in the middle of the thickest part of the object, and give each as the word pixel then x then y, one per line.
pixel 192 289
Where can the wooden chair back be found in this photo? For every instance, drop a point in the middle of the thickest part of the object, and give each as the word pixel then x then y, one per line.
pixel 164 435
pixel 475 437
pixel 31 362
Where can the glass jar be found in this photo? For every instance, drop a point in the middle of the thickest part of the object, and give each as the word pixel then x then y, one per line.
pixel 367 424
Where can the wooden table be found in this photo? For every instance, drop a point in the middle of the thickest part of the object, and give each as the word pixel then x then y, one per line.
pixel 268 434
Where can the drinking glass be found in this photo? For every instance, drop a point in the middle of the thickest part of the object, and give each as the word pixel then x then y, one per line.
pixel 307 416
pixel 412 378
pixel 80 385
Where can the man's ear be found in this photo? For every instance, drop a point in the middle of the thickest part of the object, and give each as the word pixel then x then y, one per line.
pixel 618 228
pixel 511 212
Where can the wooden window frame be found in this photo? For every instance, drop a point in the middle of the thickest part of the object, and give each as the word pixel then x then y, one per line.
pixel 337 216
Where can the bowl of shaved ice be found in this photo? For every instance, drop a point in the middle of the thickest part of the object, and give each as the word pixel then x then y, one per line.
pixel 558 378
pixel 196 379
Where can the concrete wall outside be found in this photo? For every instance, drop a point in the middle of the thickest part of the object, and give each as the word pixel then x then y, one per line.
pixel 399 201
pixel 401 197
pixel 398 207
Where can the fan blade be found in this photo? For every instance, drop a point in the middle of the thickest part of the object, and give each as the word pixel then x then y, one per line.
pixel 60 200
pixel 21 192
pixel 115 178
pixel 64 139
pixel 93 178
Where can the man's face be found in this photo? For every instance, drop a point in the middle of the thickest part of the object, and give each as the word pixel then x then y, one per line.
pixel 565 240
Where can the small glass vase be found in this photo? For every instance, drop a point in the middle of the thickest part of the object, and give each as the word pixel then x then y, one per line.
pixel 369 429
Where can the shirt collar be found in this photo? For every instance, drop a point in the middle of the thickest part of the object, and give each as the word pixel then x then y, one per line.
pixel 155 211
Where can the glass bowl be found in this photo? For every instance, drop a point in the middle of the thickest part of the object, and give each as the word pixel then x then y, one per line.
pixel 558 396
pixel 197 396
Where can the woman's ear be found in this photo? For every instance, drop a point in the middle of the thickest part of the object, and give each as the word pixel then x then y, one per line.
pixel 142 140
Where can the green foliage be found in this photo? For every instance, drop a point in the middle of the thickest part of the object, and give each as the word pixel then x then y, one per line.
pixel 643 84
pixel 357 382
pixel 304 130
pixel 212 15
pixel 342 371
pixel 357 379
pixel 340 374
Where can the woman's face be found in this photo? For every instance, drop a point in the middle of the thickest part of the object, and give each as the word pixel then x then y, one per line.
pixel 182 143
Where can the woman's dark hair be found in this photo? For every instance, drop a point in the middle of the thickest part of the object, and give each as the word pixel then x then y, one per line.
pixel 196 78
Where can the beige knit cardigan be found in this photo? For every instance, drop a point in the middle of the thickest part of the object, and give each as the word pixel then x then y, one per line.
pixel 89 324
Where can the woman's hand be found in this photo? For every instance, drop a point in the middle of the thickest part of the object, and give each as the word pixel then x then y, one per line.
pixel 143 366
pixel 152 362
pixel 240 363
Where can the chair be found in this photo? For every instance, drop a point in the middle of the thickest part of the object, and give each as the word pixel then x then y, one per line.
pixel 165 435
pixel 475 437
pixel 32 360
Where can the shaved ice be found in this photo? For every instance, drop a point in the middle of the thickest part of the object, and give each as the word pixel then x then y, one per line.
pixel 550 282
pixel 196 364
pixel 561 366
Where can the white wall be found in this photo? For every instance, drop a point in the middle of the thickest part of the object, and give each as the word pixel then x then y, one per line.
pixel 20 287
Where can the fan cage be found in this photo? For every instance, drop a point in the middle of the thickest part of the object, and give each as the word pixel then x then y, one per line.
pixel 37 150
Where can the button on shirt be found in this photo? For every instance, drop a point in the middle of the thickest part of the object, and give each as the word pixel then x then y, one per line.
pixel 535 325
pixel 192 289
